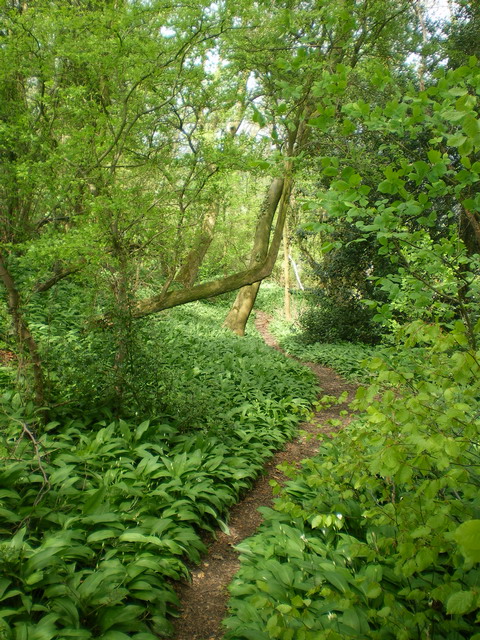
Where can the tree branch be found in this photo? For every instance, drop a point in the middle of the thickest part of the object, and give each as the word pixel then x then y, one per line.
pixel 216 287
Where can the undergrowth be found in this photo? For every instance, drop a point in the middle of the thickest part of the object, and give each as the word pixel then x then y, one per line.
pixel 99 515
pixel 378 536
pixel 347 358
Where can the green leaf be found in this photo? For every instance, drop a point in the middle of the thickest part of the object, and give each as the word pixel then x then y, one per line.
pixel 337 580
pixel 34 577
pixel 467 535
pixel 434 156
pixel 93 503
pixel 284 608
pixel 103 534
pixel 456 140
pixel 140 430
pixel 120 615
pixel 386 186
pixel 461 602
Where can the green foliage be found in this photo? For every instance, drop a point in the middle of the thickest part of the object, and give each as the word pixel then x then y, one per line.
pixel 341 279
pixel 419 211
pixel 377 537
pixel 270 297
pixel 98 516
pixel 182 365
pixel 349 360
pixel 330 320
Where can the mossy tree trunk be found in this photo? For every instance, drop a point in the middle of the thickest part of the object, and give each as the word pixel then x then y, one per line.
pixel 238 315
pixel 170 299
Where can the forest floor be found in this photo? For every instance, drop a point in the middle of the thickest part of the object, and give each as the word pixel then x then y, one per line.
pixel 204 599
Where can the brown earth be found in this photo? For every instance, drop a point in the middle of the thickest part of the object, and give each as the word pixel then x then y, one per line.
pixel 204 599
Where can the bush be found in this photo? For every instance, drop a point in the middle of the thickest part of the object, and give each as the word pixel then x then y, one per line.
pixel 377 537
pixel 331 320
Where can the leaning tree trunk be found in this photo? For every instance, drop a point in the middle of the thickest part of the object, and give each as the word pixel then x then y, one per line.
pixel 238 315
pixel 24 338
pixel 189 271
pixel 278 196
pixel 169 299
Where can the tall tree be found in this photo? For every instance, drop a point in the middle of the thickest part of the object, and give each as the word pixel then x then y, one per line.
pixel 313 41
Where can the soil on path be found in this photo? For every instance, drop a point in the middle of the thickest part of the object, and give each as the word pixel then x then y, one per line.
pixel 204 599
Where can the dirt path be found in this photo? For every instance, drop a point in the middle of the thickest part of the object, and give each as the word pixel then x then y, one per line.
pixel 205 598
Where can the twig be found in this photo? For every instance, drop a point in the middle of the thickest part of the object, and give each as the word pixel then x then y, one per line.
pixel 46 482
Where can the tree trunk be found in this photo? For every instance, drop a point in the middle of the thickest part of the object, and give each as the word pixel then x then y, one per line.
pixel 238 315
pixel 297 274
pixel 167 300
pixel 23 336
pixel 189 271
pixel 286 274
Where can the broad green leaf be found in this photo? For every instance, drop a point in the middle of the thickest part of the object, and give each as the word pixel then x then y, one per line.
pixel 467 535
pixel 461 602
pixel 103 534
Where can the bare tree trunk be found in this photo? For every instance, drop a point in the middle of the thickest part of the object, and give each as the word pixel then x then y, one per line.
pixel 238 315
pixel 189 271
pixel 286 274
pixel 23 336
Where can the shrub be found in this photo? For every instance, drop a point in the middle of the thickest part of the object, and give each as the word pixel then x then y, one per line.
pixel 330 320
pixel 377 537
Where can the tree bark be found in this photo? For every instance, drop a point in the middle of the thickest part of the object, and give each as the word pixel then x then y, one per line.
pixel 470 231
pixel 286 274
pixel 189 271
pixel 23 335
pixel 40 287
pixel 238 315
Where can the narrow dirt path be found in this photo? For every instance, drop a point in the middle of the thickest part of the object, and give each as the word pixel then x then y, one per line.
pixel 204 599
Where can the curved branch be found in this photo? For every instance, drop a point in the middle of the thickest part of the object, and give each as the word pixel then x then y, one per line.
pixel 216 287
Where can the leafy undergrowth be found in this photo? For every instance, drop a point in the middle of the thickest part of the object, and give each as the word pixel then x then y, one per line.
pixel 378 536
pixel 348 359
pixel 99 516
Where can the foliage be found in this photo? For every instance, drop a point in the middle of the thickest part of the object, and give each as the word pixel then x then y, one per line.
pixel 181 365
pixel 340 266
pixel 329 320
pixel 98 516
pixel 431 246
pixel 463 34
pixel 270 298
pixel 349 360
pixel 375 537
